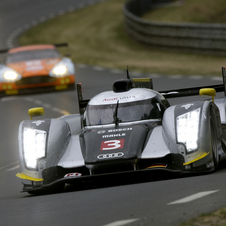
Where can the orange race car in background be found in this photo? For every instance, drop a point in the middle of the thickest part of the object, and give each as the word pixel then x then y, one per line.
pixel 34 69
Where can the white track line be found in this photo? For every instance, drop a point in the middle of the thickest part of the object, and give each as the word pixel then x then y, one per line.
pixel 116 71
pixel 46 105
pixel 155 75
pixel 134 73
pixel 81 65
pixel 192 197
pixel 151 75
pixel 196 77
pixel 11 169
pixel 122 222
pixel 176 77
pixel 215 78
pixel 9 165
pixel 97 68
pixel 8 98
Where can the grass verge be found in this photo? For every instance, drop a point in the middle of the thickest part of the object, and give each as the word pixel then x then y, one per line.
pixel 217 218
pixel 96 37
pixel 190 11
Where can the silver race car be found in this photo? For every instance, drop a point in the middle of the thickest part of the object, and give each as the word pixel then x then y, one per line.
pixel 131 128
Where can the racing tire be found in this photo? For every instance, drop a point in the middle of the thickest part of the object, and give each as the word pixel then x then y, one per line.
pixel 214 146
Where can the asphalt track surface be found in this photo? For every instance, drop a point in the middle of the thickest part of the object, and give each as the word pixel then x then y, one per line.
pixel 135 201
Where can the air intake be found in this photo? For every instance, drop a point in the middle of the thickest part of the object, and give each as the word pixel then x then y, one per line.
pixel 122 85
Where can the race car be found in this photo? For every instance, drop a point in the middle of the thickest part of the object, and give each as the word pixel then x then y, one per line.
pixel 131 128
pixel 36 68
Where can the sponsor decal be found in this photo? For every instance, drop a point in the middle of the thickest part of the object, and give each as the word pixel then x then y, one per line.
pixel 115 130
pixel 110 99
pixel 38 123
pixel 119 130
pixel 34 65
pixel 70 175
pixel 112 144
pixel 187 106
pixel 114 135
pixel 119 98
pixel 112 155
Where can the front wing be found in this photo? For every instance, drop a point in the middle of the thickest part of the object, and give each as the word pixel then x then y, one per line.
pixel 128 176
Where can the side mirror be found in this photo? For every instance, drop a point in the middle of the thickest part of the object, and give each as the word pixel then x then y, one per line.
pixel 208 92
pixel 34 112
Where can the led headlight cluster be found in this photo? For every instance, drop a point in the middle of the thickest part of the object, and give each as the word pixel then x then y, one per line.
pixel 60 70
pixel 10 75
pixel 34 146
pixel 188 129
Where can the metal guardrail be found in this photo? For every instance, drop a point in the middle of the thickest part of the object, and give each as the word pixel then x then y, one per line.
pixel 202 37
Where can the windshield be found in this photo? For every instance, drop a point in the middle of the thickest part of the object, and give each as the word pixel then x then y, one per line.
pixel 33 55
pixel 127 112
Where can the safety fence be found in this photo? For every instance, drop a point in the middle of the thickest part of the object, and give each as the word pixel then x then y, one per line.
pixel 193 36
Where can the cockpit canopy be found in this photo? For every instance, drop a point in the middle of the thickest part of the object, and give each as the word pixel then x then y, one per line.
pixel 150 108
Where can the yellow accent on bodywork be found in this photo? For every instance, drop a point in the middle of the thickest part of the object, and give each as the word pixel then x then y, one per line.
pixel 141 79
pixel 200 157
pixel 23 176
pixel 208 92
pixel 11 92
pixel 60 87
pixel 34 112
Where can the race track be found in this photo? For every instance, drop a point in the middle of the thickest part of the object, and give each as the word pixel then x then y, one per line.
pixel 111 203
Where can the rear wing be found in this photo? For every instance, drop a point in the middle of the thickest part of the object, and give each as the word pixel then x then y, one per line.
pixel 147 83
pixel 189 91
pixel 195 90
pixel 142 83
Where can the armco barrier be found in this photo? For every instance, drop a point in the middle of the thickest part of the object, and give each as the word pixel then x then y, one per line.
pixel 193 36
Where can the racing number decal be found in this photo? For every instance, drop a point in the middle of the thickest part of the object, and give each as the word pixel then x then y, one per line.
pixel 112 144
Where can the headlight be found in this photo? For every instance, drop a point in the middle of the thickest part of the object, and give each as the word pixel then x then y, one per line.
pixel 10 75
pixel 60 70
pixel 188 129
pixel 34 146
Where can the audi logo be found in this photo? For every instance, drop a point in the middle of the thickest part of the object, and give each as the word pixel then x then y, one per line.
pixel 112 155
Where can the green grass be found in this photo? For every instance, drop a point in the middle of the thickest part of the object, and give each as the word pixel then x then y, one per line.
pixel 217 218
pixel 96 37
pixel 201 11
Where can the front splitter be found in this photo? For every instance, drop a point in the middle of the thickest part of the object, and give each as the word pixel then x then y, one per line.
pixel 146 175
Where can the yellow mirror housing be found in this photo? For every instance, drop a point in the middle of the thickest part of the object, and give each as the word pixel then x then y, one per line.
pixel 34 112
pixel 208 92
